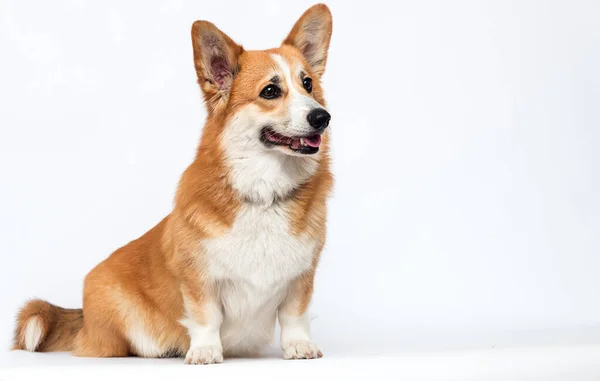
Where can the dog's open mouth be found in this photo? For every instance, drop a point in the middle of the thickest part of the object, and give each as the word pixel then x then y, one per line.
pixel 301 144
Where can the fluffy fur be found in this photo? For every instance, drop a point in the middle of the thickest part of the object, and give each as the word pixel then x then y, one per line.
pixel 241 246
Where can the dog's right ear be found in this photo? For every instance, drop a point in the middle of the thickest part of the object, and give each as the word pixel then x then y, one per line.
pixel 216 60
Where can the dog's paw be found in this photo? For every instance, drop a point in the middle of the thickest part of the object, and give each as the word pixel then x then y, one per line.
pixel 301 350
pixel 204 355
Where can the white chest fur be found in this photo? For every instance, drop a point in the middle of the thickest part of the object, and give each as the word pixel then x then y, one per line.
pixel 259 248
pixel 253 265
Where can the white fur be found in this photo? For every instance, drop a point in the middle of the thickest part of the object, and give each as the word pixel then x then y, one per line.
pixel 294 328
pixel 33 333
pixel 252 266
pixel 301 350
pixel 295 337
pixel 204 355
pixel 143 344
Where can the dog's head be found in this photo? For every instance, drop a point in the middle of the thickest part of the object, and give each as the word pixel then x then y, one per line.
pixel 268 100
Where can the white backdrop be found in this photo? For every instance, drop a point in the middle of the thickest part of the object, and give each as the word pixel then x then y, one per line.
pixel 465 135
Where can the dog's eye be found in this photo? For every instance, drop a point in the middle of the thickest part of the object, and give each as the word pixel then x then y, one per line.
pixel 307 83
pixel 270 92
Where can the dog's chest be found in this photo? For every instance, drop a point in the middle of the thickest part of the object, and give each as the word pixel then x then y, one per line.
pixel 259 249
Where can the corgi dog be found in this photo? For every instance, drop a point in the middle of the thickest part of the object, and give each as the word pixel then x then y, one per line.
pixel 242 243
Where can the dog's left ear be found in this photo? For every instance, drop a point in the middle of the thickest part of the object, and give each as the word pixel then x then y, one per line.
pixel 311 35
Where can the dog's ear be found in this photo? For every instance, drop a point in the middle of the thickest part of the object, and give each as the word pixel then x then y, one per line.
pixel 216 60
pixel 311 35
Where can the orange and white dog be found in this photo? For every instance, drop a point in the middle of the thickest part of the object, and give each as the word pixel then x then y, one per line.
pixel 241 246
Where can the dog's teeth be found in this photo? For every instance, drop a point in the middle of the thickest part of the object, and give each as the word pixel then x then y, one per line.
pixel 302 141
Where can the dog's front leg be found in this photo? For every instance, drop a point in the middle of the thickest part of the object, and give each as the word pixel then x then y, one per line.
pixel 294 321
pixel 203 320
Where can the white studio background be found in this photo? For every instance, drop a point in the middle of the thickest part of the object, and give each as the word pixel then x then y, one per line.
pixel 465 146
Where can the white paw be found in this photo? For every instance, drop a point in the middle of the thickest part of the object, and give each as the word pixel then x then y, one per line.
pixel 301 350
pixel 204 355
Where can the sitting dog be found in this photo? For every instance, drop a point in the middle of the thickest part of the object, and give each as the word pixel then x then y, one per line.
pixel 242 243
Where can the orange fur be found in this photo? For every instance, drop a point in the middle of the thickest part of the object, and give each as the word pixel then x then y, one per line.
pixel 147 283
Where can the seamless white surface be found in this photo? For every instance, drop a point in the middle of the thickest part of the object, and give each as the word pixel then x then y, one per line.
pixel 551 363
pixel 466 210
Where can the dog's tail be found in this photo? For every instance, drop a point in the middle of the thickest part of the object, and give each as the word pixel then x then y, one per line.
pixel 44 327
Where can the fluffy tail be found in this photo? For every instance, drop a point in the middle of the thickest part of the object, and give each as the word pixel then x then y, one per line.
pixel 44 327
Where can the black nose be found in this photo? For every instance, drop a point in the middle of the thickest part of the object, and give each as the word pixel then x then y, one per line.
pixel 318 118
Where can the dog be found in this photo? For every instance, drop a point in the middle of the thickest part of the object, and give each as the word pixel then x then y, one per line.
pixel 241 246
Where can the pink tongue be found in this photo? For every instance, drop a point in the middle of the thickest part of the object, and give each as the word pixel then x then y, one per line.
pixel 313 141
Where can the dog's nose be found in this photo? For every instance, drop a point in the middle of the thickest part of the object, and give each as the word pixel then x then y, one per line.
pixel 318 118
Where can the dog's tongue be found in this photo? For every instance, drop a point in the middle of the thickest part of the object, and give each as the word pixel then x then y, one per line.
pixel 313 141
